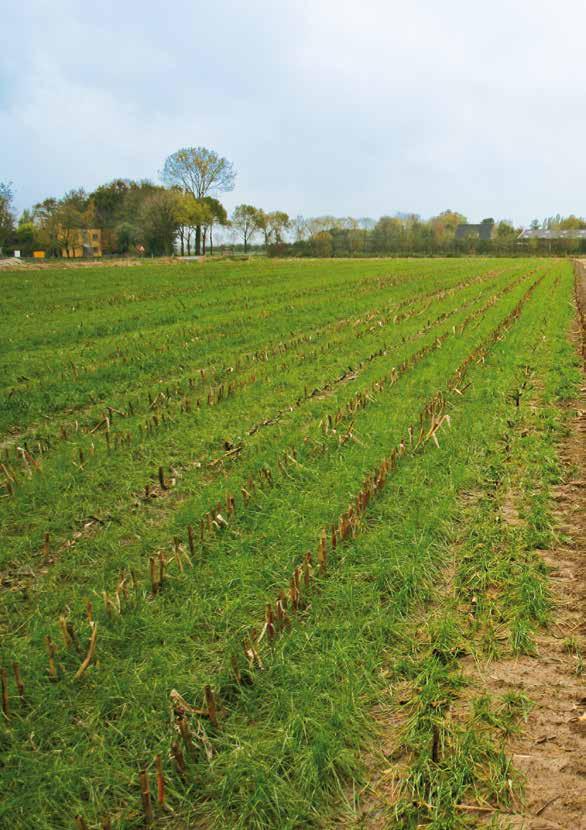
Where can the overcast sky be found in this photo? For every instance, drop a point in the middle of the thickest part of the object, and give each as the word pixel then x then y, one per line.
pixel 356 108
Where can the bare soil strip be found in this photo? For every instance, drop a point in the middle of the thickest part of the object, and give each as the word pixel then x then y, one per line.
pixel 14 264
pixel 551 751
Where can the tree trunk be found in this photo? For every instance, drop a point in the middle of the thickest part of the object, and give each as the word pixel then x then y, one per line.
pixel 198 240
pixel 205 234
pixel 211 240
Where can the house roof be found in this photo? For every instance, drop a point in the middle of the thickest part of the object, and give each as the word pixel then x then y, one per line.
pixel 482 231
pixel 556 234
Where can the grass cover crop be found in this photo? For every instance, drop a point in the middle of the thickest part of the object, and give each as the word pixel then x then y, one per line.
pixel 235 523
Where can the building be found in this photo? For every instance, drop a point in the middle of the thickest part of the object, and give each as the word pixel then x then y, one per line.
pixel 78 242
pixel 482 231
pixel 575 233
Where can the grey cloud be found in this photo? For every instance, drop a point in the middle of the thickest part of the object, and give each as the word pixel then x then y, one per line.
pixel 324 107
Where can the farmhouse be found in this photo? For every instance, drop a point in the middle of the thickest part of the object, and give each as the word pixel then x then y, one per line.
pixel 482 231
pixel 78 242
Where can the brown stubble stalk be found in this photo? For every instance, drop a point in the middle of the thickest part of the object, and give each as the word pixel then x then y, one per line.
pixel 435 744
pixel 178 555
pixel 161 569
pixel 65 632
pixel 18 681
pixel 178 759
pixel 145 794
pixel 51 653
pixel 153 574
pixel 211 705
pixel 160 781
pixel 184 731
pixel 90 652
pixel 322 556
pixel 5 703
pixel 307 570
pixel 191 540
pixel 236 668
pixel 162 483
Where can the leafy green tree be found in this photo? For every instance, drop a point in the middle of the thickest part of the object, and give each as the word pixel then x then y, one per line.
pixel 46 224
pixel 216 215
pixel 572 223
pixel 273 226
pixel 158 222
pixel 279 224
pixel 387 235
pixel 505 231
pixel 245 220
pixel 263 226
pixel 43 211
pixel 444 226
pixel 190 214
pixel 138 192
pixel 200 172
pixel 7 216
pixel 323 244
pixel 109 200
pixel 25 217
pixel 74 213
pixel 26 233
pixel 58 222
pixel 118 208
pixel 128 236
pixel 356 240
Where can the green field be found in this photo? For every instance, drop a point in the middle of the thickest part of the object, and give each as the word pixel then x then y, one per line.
pixel 175 439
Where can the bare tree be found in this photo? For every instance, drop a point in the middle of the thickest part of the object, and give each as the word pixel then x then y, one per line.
pixel 300 228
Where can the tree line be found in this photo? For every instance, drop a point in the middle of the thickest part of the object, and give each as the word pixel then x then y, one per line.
pixel 410 235
pixel 133 216
pixel 179 215
pixel 183 212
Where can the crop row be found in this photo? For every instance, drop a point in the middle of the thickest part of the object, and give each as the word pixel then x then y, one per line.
pixel 161 420
pixel 67 391
pixel 189 727
pixel 219 385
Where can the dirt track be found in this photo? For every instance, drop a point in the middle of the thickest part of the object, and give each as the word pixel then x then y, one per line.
pixel 551 751
pixel 12 264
